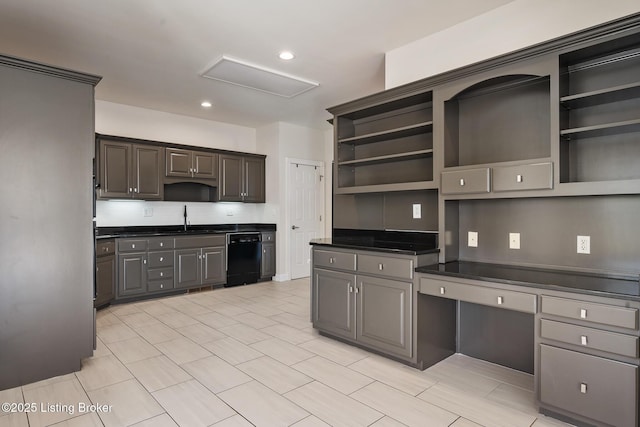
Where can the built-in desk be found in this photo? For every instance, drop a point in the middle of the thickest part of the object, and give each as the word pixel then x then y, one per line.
pixel 577 333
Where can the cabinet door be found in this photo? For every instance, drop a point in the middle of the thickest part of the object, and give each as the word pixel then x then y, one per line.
pixel 105 280
pixel 384 310
pixel 115 163
pixel 132 274
pixel 147 169
pixel 205 165
pixel 333 308
pixel 214 265
pixel 253 180
pixel 178 162
pixel 268 263
pixel 230 186
pixel 187 268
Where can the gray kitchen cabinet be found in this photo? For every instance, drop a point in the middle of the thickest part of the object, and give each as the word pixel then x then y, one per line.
pixel 242 178
pixel 160 264
pixel 268 257
pixel 334 307
pixel 188 268
pixel 132 274
pixel 200 260
pixel 129 171
pixel 181 163
pixel 365 297
pixel 214 265
pixel 105 272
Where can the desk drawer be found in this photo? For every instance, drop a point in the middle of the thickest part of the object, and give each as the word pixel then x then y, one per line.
pixel 594 387
pixel 160 259
pixel 161 243
pixel 591 312
pixel 625 345
pixel 510 300
pixel 538 176
pixel 334 260
pixel 385 266
pixel 465 181
pixel 132 245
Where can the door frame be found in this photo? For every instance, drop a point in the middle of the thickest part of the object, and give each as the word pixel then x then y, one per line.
pixel 288 222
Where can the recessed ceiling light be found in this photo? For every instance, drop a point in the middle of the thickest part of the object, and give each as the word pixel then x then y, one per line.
pixel 205 104
pixel 286 55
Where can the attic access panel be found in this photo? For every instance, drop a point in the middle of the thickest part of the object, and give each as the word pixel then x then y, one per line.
pixel 245 74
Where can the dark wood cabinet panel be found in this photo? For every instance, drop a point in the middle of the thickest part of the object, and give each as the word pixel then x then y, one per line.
pixel 178 162
pixel 241 179
pixel 105 280
pixel 205 165
pixel 214 265
pixel 115 164
pixel 253 179
pixel 132 274
pixel 187 266
pixel 268 263
pixel 147 179
pixel 333 306
pixel 181 163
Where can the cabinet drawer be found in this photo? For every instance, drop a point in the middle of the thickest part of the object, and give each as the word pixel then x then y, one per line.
pixel 384 266
pixel 591 312
pixel 625 345
pixel 200 241
pixel 160 273
pixel 337 260
pixel 538 176
pixel 268 237
pixel 132 245
pixel 160 285
pixel 510 300
pixel 594 387
pixel 465 181
pixel 105 248
pixel 160 259
pixel 160 244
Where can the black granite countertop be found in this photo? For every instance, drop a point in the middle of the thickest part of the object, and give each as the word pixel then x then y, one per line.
pixel 405 248
pixel 568 281
pixel 178 230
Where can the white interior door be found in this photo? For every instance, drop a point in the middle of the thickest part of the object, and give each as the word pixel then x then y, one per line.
pixel 306 205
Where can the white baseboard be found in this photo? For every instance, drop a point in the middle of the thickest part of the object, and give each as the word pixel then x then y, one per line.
pixel 281 277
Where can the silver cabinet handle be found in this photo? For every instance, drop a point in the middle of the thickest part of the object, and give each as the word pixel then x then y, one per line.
pixel 161 244
pixel 518 178
pixel 583 313
pixel 350 289
pixel 161 274
pixel 161 286
pixel 135 190
pixel 332 260
pixel 130 189
pixel 133 246
pixel 583 388
pixel 161 259
pixel 381 266
pixel 442 290
pixel 264 251
pixel 144 261
pixel 583 340
pixel 461 182
pixel 500 300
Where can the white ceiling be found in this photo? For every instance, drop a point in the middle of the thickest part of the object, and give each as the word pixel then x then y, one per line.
pixel 151 52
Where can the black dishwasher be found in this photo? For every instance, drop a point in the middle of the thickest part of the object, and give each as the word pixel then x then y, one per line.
pixel 243 258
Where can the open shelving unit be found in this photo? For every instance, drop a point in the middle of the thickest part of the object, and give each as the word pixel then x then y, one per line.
pixel 386 147
pixel 600 114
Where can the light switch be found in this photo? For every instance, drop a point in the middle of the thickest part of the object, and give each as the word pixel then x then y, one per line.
pixel 417 211
pixel 472 239
pixel 514 240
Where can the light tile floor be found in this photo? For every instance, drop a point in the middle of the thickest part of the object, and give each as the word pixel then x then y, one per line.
pixel 248 356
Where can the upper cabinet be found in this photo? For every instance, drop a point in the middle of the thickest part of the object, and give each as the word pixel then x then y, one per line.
pixel 600 117
pixel 190 165
pixel 130 171
pixel 242 178
pixel 385 146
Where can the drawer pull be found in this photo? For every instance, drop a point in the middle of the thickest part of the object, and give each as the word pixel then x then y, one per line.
pixel 161 244
pixel 583 339
pixel 161 259
pixel 161 286
pixel 161 274
pixel 332 260
pixel 350 289
pixel 442 290
pixel 380 266
pixel 583 313
pixel 356 290
pixel 133 246
pixel 583 388
pixel 461 182
pixel 518 178
pixel 500 300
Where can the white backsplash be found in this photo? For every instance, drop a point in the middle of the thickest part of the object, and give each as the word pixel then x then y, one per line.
pixel 119 213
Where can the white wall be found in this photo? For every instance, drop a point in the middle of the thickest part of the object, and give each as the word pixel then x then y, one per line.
pixel 135 122
pixel 516 25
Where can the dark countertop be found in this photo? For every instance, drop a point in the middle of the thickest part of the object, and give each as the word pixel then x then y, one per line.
pixel 404 248
pixel 568 281
pixel 178 230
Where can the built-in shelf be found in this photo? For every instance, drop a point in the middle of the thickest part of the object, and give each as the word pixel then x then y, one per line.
pixel 602 96
pixel 401 132
pixel 602 130
pixel 389 158
pixel 385 188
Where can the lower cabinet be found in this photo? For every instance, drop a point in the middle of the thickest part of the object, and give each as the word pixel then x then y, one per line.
pixel 373 311
pixel 200 260
pixel 214 265
pixel 188 268
pixel 105 273
pixel 132 274
pixel 268 261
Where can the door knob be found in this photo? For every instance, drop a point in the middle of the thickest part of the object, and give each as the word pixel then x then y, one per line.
pixel 294 227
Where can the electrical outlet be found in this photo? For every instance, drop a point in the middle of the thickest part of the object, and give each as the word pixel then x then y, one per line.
pixel 514 240
pixel 417 211
pixel 148 212
pixel 472 239
pixel 584 244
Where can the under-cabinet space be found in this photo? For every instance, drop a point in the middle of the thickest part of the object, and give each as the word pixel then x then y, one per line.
pixel 498 120
pixel 386 146
pixel 600 112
